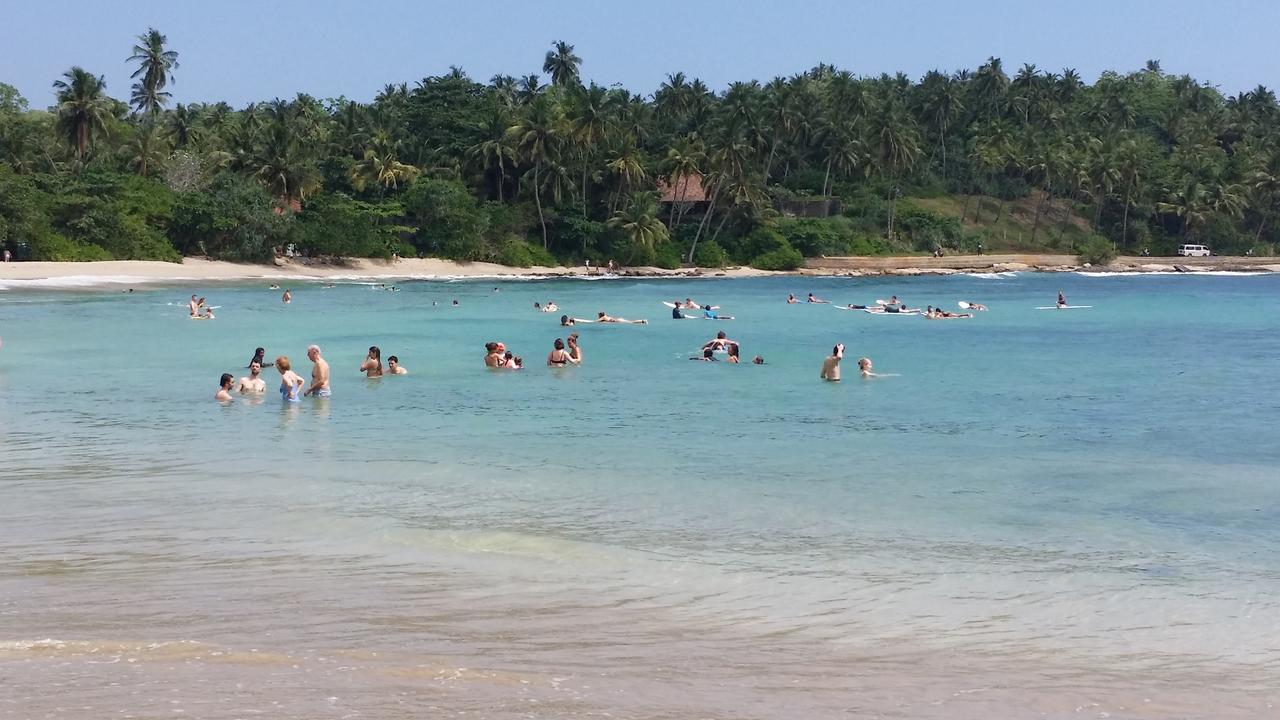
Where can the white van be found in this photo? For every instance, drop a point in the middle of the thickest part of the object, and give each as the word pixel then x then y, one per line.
pixel 1193 251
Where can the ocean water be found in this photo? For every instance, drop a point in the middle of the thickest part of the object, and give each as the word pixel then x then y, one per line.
pixel 1038 514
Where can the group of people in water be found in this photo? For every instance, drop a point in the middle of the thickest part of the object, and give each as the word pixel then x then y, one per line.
pixel 291 383
pixel 831 366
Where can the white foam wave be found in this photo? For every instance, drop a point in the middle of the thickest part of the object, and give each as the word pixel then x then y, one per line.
pixel 1140 273
pixel 994 275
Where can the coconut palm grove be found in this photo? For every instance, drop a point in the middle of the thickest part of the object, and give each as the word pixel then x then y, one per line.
pixel 540 168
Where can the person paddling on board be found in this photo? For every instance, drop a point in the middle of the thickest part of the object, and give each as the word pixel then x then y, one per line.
pixel 1062 299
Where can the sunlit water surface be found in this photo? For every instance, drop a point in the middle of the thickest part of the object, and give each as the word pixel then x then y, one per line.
pixel 1041 514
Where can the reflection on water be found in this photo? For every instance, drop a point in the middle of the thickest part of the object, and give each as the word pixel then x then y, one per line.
pixel 639 538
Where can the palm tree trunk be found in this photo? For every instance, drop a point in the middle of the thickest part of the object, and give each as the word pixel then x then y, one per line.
pixel 827 176
pixel 584 190
pixel 720 227
pixel 711 206
pixel 942 132
pixel 893 199
pixel 999 206
pixel 964 209
pixel 1124 226
pixel 1258 237
pixel 1035 225
pixel 768 163
pixel 502 180
pixel 537 200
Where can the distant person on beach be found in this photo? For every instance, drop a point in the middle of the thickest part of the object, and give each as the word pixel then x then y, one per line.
pixel 372 365
pixel 258 358
pixel 816 300
pixel 601 317
pixel 575 352
pixel 831 366
pixel 394 368
pixel 224 388
pixel 791 299
pixel 194 306
pixel 319 373
pixel 290 383
pixel 558 357
pixel 287 297
pixel 253 382
pixel 8 256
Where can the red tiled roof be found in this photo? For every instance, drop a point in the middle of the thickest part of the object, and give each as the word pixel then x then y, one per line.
pixel 687 188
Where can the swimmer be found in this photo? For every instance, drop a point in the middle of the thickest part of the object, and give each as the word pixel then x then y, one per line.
pixel 851 306
pixel 976 306
pixel 258 358
pixel 721 342
pixel 372 365
pixel 287 297
pixel 455 303
pixel 253 382
pixel 675 312
pixel 394 367
pixel 708 355
pixel 208 314
pixel 601 317
pixel 273 286
pixel 224 388
pixel 566 321
pixel 757 360
pixel 733 354
pixel 558 357
pixel 575 352
pixel 1062 299
pixel 864 368
pixel 319 373
pixel 791 300
pixel 893 300
pixel 816 300
pixel 689 304
pixel 710 314
pixel 194 306
pixel 290 383
pixel 492 358
pixel 327 286
pixel 831 366
pixel 511 362
pixel 550 306
pixel 537 306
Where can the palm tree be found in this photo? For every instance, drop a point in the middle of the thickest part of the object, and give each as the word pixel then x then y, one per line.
pixel 1129 173
pixel 561 64
pixel 779 117
pixel 83 109
pixel 155 67
pixel 589 124
pixel 380 166
pixel 281 166
pixel 146 150
pixel 537 136
pixel 943 103
pixel 684 160
pixel 896 145
pixel 627 165
pixel 989 87
pixel 639 222
pixel 181 125
pixel 495 150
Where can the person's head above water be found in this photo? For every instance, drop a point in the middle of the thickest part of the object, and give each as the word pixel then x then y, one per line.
pixel 225 381
pixel 313 352
pixel 559 344
pixel 374 352
pixel 600 314
pixel 758 360
pixel 491 347
pixel 255 367
pixel 708 353
pixel 720 335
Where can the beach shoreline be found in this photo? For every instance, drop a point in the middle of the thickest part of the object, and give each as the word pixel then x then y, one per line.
pixel 126 272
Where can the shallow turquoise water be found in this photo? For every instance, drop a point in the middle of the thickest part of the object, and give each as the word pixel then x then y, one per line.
pixel 1092 489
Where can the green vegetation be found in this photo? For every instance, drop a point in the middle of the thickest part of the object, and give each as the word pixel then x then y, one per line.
pixel 525 173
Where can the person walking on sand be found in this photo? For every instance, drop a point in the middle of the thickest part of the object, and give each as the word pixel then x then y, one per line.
pixel 319 373
pixel 831 366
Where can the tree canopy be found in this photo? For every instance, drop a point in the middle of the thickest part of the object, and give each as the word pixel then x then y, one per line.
pixel 822 162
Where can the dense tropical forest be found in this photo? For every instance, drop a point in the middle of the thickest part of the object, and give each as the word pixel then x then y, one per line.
pixel 542 168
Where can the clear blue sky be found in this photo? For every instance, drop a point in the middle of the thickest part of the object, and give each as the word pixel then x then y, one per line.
pixel 237 50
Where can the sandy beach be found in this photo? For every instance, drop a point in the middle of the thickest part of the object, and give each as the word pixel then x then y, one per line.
pixel 284 270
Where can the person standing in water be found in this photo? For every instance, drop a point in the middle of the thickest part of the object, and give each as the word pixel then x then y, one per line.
pixel 575 352
pixel 319 373
pixel 290 383
pixel 372 365
pixel 194 306
pixel 831 366
pixel 864 368
pixel 224 388
pixel 558 357
pixel 1062 299
pixel 253 382
pixel 287 297
pixel 394 368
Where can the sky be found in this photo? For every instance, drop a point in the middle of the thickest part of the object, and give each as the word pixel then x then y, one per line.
pixel 242 50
